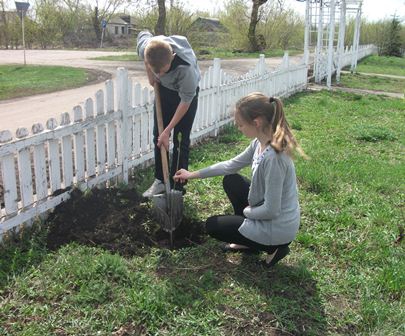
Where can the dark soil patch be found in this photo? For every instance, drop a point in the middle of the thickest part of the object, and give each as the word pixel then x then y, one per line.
pixel 117 220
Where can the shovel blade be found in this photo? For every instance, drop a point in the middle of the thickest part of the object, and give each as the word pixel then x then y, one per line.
pixel 169 209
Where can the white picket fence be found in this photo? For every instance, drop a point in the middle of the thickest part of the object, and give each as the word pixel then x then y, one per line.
pixel 321 59
pixel 112 134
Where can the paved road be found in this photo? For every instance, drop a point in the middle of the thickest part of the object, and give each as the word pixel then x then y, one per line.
pixel 24 112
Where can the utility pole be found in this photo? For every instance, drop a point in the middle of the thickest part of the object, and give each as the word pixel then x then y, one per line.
pixel 22 8
pixel 103 25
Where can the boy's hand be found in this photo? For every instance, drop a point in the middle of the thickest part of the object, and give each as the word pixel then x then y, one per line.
pixel 163 139
pixel 182 175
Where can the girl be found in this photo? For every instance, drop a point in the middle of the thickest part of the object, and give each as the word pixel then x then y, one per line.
pixel 267 213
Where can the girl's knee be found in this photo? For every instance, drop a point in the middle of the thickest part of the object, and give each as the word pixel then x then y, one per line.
pixel 229 180
pixel 211 225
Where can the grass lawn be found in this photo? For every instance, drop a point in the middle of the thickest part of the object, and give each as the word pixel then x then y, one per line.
pixel 121 58
pixel 20 81
pixel 359 81
pixel 226 54
pixel 213 53
pixel 382 65
pixel 345 274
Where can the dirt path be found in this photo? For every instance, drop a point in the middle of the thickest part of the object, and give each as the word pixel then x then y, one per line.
pixel 24 112
pixel 316 87
pixel 375 74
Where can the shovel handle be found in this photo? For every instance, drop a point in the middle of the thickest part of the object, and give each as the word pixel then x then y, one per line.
pixel 159 117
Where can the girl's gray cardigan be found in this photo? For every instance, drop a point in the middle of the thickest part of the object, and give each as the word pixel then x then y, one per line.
pixel 273 217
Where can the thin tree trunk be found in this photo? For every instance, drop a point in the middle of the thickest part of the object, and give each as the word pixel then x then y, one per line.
pixel 161 22
pixel 5 25
pixel 97 24
pixel 253 23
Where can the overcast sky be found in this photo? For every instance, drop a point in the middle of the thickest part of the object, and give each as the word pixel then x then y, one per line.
pixel 373 10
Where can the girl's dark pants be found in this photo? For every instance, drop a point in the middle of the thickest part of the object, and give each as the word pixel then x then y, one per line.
pixel 170 101
pixel 225 227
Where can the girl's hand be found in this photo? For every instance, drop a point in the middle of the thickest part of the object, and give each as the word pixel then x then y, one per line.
pixel 182 175
pixel 246 211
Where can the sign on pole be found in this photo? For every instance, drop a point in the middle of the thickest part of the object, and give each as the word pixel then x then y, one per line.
pixel 22 8
pixel 103 25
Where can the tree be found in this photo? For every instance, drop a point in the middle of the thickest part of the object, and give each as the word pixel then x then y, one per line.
pixel 178 19
pixel 105 12
pixel 394 38
pixel 238 29
pixel 254 19
pixel 161 21
pixel 4 32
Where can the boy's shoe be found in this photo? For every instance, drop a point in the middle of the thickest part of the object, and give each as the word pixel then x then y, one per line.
pixel 157 187
pixel 274 258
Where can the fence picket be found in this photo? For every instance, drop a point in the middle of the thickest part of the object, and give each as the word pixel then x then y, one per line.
pixel 101 143
pixel 90 140
pixel 137 121
pixel 111 133
pixel 24 170
pixel 67 157
pixel 79 155
pixel 145 122
pixel 122 127
pixel 7 165
pixel 54 158
pixel 41 181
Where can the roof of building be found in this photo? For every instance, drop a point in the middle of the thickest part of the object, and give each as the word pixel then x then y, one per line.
pixel 208 24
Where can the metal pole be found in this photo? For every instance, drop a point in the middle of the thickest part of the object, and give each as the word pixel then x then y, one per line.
pixel 102 37
pixel 23 35
pixel 319 45
pixel 358 22
pixel 341 41
pixel 355 45
pixel 330 42
pixel 306 36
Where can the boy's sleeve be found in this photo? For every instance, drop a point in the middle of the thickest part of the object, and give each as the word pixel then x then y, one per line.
pixel 142 41
pixel 188 82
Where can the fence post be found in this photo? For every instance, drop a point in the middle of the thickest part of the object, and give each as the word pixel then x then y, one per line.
pixel 261 71
pixel 122 94
pixel 216 81
pixel 7 165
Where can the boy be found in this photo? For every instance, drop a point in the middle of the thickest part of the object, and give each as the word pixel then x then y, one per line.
pixel 171 62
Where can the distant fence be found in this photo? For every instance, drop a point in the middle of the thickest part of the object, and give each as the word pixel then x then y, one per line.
pixel 346 59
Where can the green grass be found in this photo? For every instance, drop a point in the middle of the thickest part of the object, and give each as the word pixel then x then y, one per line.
pixel 227 54
pixel 213 53
pixel 359 81
pixel 122 58
pixel 344 276
pixel 20 81
pixel 382 65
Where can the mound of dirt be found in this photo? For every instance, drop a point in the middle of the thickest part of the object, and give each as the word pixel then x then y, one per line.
pixel 117 220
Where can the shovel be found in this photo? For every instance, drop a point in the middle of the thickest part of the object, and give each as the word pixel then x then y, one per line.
pixel 168 206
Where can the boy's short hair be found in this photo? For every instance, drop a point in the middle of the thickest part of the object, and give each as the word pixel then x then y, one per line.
pixel 158 53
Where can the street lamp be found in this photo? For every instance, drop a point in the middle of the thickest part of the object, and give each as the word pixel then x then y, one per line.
pixel 22 8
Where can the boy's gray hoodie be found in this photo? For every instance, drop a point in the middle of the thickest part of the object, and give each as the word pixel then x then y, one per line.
pixel 184 78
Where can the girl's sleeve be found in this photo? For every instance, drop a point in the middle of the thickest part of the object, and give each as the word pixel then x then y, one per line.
pixel 230 166
pixel 274 175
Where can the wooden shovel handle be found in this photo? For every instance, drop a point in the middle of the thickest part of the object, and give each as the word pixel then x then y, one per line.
pixel 159 117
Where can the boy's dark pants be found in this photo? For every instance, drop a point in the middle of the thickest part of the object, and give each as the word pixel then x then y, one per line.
pixel 226 227
pixel 170 100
